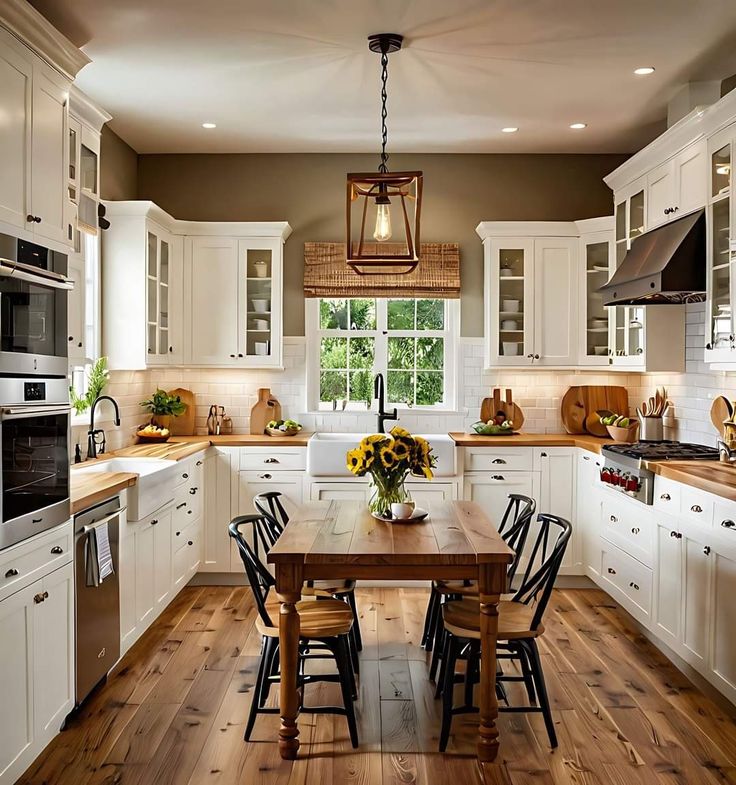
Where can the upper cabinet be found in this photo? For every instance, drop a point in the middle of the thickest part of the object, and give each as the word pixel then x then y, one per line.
pixel 190 293
pixel 594 269
pixel 677 186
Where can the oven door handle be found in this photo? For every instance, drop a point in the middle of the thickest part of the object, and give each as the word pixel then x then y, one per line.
pixel 9 269
pixel 102 521
pixel 20 412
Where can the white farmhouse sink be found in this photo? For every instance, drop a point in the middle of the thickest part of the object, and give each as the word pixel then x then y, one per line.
pixel 326 453
pixel 155 486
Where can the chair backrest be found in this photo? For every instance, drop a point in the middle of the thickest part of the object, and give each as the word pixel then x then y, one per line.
pixel 260 579
pixel 552 536
pixel 514 528
pixel 270 504
pixel 266 530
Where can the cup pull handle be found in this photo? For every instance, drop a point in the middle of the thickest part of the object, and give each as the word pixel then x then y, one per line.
pixel 611 571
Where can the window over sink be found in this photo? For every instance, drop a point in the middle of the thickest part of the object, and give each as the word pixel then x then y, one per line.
pixel 411 341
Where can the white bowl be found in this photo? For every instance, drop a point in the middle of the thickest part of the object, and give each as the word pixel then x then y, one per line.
pixel 509 324
pixel 510 306
pixel 510 348
pixel 260 306
pixel 599 350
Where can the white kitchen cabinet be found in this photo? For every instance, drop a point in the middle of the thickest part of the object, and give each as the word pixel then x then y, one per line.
pixel 426 494
pixel 723 612
pixel 491 490
pixel 76 322
pixel 677 186
pixel 127 582
pixel 557 466
pixel 220 466
pixel 340 491
pixel 588 510
pixel 697 560
pixel 289 484
pixel 145 576
pixel 162 554
pixel 668 581
pixel 596 265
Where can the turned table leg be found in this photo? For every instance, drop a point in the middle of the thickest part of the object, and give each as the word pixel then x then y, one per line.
pixel 289 657
pixel 489 599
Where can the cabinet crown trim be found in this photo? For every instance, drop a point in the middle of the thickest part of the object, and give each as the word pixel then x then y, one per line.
pixel 488 229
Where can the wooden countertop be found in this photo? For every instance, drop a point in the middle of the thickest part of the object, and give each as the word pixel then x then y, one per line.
pixel 712 476
pixel 90 488
pixel 247 440
pixel 584 440
pixel 171 450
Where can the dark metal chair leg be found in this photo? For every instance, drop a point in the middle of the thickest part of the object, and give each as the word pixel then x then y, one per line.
pixel 448 687
pixel 526 672
pixel 342 659
pixel 536 668
pixel 430 619
pixel 261 678
pixel 356 622
pixel 439 684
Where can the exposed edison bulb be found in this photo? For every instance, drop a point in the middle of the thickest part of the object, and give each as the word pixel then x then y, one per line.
pixel 382 231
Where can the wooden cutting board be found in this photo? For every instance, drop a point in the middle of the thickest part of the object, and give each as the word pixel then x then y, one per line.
pixel 184 424
pixel 581 401
pixel 572 410
pixel 720 410
pixel 513 412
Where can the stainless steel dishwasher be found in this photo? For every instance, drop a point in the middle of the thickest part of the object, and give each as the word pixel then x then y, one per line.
pixel 97 608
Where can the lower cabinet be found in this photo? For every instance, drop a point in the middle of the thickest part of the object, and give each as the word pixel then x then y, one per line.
pixel 491 490
pixel 341 491
pixel 588 511
pixel 723 613
pixel 557 496
pixel 289 484
pixel 36 668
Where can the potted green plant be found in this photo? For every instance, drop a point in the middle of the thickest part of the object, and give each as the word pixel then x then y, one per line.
pixel 163 407
pixel 96 381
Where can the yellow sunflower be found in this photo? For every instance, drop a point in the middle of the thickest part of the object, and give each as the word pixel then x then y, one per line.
pixel 356 461
pixel 373 439
pixel 388 457
pixel 397 431
pixel 401 449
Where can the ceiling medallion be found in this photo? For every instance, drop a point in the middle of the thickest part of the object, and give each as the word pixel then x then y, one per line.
pixel 388 203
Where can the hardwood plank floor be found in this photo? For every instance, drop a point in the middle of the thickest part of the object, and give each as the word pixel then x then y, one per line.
pixel 173 712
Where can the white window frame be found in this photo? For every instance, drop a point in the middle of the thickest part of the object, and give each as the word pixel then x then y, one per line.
pixel 451 334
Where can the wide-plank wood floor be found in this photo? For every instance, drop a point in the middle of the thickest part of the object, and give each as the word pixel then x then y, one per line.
pixel 174 710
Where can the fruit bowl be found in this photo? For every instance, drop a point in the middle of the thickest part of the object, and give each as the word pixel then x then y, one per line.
pixel 624 435
pixel 279 432
pixel 489 429
pixel 153 434
pixel 283 428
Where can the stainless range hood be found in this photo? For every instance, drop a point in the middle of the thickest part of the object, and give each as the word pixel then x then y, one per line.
pixel 664 266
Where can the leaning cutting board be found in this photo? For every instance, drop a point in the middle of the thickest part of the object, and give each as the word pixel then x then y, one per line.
pixel 572 410
pixel 720 410
pixel 581 401
pixel 183 425
pixel 513 412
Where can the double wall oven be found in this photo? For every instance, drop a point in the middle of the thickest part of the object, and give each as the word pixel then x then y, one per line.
pixel 34 390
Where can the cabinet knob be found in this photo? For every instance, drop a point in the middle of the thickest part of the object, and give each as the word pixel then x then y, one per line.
pixel 635 530
pixel 665 497
pixel 190 542
pixel 498 460
pixel 536 356
pixel 706 550
pixel 70 338
pixel 171 349
pixel 199 463
pixel 276 460
pixel 57 549
pixel 530 357
pixel 614 519
pixel 696 508
pixel 611 571
pixel 184 476
pixel 543 455
pixel 178 533
pixel 39 598
pixel 264 476
pixel 634 586
pixel 239 354
pixel 154 521
pixel 728 524
pixel 79 344
pixel 233 356
pixel 708 346
pixel 30 218
pixel 11 573
pixel 192 491
pixel 497 477
pixel 676 535
pixel 37 219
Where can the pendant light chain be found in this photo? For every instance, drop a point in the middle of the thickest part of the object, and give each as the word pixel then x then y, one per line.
pixel 383 168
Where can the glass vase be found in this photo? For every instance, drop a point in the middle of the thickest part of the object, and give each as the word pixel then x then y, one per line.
pixel 384 495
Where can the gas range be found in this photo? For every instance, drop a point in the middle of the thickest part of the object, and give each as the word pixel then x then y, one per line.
pixel 624 465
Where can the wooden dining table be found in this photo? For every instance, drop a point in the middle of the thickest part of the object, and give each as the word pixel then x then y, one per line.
pixel 342 540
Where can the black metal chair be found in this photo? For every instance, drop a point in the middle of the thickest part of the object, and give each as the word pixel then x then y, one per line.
pixel 324 630
pixel 519 626
pixel 269 503
pixel 514 529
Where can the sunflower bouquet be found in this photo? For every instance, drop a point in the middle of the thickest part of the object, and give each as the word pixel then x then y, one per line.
pixel 389 460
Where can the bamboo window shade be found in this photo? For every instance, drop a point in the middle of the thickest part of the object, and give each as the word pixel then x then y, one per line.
pixel 326 273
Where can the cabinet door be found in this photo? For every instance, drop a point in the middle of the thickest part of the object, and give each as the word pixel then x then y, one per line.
pixel 214 312
pixel 145 570
pixel 289 484
pixel 691 177
pixel 588 510
pixel 48 153
pixel 596 266
pixel 661 194
pixel 259 305
pixel 162 576
pixel 126 577
pixel 339 491
pixel 219 470
pixel 696 580
pixel 76 321
pixel 53 652
pixel 668 582
pixel 557 496
pixel 555 301
pixel 16 78
pixel 427 494
pixel 16 685
pixel 491 491
pixel 175 314
pixel 723 661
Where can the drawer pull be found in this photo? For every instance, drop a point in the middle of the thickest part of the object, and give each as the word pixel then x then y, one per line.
pixel 696 508
pixel 728 524
pixel 190 542
pixel 614 519
pixel 543 454
pixel 154 521
pixel 178 533
pixel 271 460
pixel 586 457
pixel 189 512
pixel 265 476
pixel 498 460
pixel 199 463
pixel 57 549
pixel 192 491
pixel 665 497
pixel 497 477
pixel 12 573
pixel 179 506
pixel 185 476
pixel 611 571
pixel 706 550
pixel 676 535
pixel 39 598
pixel 633 585
pixel 635 530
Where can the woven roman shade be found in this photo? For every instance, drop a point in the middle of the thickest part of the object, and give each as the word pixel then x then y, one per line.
pixel 326 274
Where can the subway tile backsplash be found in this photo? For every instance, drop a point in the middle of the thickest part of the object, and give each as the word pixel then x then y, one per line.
pixel 537 391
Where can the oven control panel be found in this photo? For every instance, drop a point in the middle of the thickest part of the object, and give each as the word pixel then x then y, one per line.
pixel 34 391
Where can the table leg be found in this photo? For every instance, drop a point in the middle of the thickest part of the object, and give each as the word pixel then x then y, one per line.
pixel 289 658
pixel 487 731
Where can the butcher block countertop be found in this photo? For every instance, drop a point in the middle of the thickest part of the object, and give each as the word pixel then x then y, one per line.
pixel 90 488
pixel 170 451
pixel 584 440
pixel 711 476
pixel 248 440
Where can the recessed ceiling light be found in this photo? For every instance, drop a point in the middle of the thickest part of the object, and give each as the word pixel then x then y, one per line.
pixel 209 125
pixel 578 126
pixel 644 70
pixel 509 130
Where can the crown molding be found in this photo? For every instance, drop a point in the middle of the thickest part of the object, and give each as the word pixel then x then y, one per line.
pixel 488 229
pixel 86 110
pixel 33 29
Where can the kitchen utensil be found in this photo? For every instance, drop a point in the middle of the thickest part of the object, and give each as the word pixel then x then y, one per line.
pixel 183 425
pixel 626 435
pixel 212 420
pixel 510 306
pixel 652 429
pixel 593 422
pixel 720 411
pixel 266 408
pixel 510 348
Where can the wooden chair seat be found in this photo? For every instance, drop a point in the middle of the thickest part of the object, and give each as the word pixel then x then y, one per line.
pixel 462 619
pixel 317 619
pixel 462 588
pixel 328 588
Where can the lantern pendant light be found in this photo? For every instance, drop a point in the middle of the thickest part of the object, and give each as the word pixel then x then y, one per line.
pixel 383 208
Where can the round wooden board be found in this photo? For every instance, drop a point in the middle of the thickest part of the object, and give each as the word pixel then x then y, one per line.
pixel 572 410
pixel 720 410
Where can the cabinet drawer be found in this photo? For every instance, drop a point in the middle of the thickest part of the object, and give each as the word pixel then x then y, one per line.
pixel 281 459
pixel 27 561
pixel 187 557
pixel 629 528
pixel 696 505
pixel 631 580
pixel 189 471
pixel 667 495
pixel 510 459
pixel 189 497
pixel 180 535
pixel 183 513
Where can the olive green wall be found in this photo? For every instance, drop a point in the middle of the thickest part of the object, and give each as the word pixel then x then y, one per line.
pixel 308 191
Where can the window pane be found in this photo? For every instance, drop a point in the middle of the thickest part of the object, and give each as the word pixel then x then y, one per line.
pixel 401 387
pixel 333 314
pixel 430 314
pixel 401 314
pixel 361 386
pixel 429 388
pixel 333 385
pixel 430 353
pixel 401 352
pixel 333 353
pixel 362 314
pixel 361 352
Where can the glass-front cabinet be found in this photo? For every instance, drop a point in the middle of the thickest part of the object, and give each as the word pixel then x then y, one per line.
pixel 596 254
pixel 260 305
pixel 720 330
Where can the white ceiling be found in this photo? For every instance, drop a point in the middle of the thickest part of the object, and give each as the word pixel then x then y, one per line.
pixel 297 76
